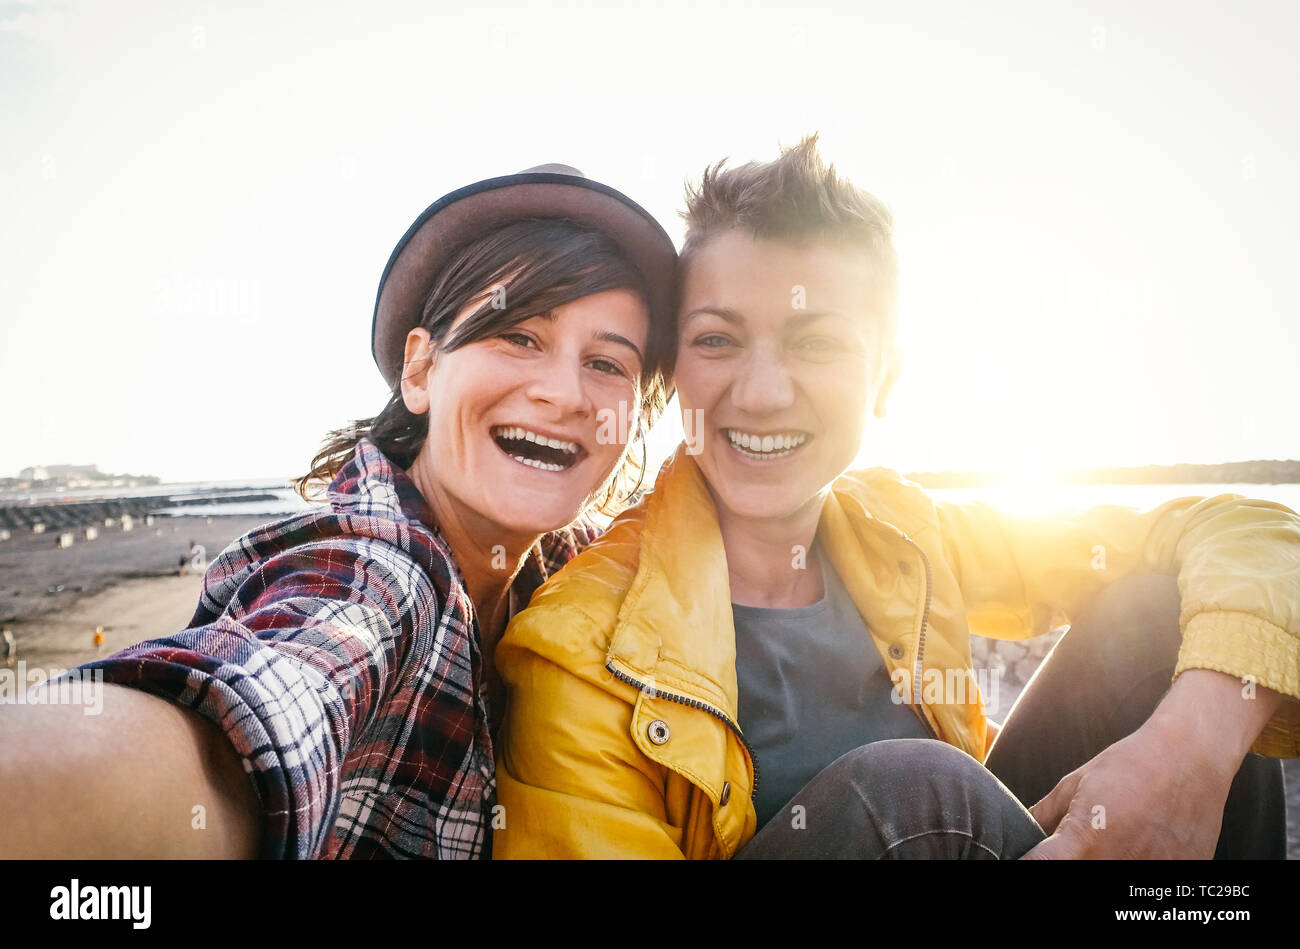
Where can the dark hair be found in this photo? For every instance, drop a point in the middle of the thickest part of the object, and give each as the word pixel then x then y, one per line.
pixel 540 264
pixel 795 198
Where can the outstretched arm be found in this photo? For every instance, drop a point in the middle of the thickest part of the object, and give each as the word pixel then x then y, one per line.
pixel 248 716
pixel 125 783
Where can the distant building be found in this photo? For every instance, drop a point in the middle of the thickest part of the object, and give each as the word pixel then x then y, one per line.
pixel 62 473
pixel 70 472
pixel 71 477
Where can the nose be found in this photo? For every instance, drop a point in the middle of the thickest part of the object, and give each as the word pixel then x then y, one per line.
pixel 763 385
pixel 558 382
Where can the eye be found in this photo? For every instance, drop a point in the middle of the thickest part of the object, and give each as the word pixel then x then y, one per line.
pixel 712 341
pixel 608 366
pixel 820 345
pixel 519 339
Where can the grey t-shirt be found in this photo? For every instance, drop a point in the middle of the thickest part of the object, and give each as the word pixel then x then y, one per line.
pixel 811 686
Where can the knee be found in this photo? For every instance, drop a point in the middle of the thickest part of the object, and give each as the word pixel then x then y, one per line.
pixel 1145 600
pixel 906 759
pixel 918 788
pixel 1157 588
pixel 1145 586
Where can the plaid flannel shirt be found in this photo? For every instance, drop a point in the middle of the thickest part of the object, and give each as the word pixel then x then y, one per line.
pixel 339 653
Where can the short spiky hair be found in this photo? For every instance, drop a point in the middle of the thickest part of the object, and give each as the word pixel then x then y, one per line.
pixel 796 198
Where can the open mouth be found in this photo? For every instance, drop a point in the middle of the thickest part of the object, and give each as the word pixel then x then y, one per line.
pixel 766 447
pixel 536 450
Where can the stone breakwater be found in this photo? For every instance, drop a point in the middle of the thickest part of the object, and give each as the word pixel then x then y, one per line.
pixel 55 516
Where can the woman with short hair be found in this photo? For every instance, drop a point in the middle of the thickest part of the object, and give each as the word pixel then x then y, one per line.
pixel 769 657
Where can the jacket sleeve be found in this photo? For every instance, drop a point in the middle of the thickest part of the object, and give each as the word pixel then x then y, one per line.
pixel 1237 562
pixel 570 780
pixel 292 670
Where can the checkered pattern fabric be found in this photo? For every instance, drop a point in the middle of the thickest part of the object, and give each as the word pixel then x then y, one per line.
pixel 338 652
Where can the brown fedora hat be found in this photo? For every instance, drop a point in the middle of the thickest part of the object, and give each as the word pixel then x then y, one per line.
pixel 458 217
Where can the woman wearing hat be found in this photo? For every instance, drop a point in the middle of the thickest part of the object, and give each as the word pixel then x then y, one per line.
pixel 340 662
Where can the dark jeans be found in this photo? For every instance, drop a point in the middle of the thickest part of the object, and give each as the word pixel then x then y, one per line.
pixel 910 798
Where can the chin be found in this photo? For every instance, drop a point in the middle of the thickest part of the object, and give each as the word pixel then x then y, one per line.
pixel 530 521
pixel 536 518
pixel 763 503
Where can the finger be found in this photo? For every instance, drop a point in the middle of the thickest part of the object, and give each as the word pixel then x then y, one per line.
pixel 1049 811
pixel 1055 847
pixel 1040 851
pixel 1043 850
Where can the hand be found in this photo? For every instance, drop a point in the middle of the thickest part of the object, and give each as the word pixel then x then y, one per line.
pixel 1160 792
pixel 1144 797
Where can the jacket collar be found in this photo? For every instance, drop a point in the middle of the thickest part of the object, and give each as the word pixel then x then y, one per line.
pixel 675 625
pixel 674 628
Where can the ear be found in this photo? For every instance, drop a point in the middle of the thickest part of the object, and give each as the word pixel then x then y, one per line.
pixel 416 363
pixel 892 369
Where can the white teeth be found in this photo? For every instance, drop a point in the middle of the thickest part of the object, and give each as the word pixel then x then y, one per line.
pixel 765 446
pixel 522 434
pixel 545 466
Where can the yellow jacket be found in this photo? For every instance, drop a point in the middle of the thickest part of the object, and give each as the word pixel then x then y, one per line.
pixel 620 738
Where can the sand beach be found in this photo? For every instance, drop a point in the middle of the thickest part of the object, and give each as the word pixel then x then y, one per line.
pixel 129 583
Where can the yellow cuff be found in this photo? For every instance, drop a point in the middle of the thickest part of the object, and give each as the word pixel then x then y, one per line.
pixel 1242 644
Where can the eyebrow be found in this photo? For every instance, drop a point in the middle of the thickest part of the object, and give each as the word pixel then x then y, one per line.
pixel 608 336
pixel 726 313
pixel 611 337
pixel 734 316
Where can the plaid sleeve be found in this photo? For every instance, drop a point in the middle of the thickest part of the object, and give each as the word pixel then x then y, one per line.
pixel 299 663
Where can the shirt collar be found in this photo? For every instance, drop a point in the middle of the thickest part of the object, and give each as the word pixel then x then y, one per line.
pixel 370 485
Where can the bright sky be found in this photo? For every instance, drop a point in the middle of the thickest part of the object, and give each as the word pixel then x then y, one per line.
pixel 1097 205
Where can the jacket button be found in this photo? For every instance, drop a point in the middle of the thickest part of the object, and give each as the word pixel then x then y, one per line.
pixel 895 651
pixel 905 568
pixel 726 793
pixel 658 731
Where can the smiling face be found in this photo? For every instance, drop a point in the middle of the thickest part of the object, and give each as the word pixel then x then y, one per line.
pixel 519 432
pixel 780 363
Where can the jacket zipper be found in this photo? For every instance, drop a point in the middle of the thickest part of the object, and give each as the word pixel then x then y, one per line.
pixel 693 703
pixel 920 643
